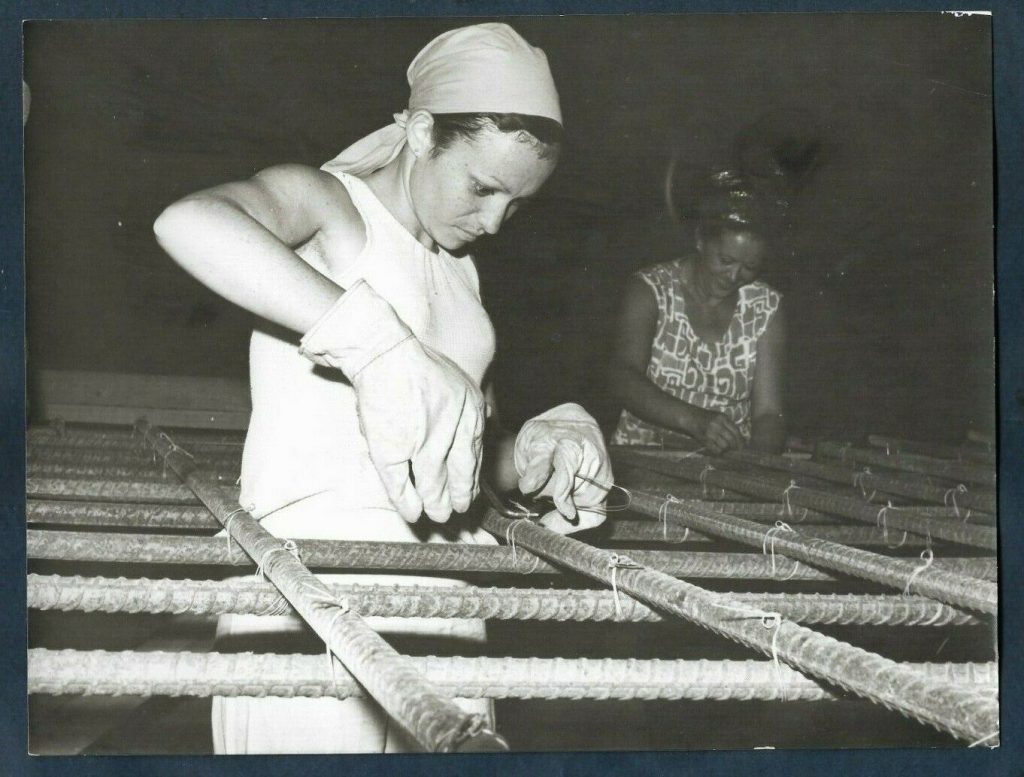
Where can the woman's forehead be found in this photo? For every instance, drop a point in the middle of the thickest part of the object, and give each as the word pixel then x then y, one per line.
pixel 503 161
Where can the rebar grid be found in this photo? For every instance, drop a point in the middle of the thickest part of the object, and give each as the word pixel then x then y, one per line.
pixel 965 713
pixel 252 597
pixel 408 557
pixel 904 519
pixel 908 462
pixel 902 574
pixel 865 480
pixel 159 673
pixel 416 704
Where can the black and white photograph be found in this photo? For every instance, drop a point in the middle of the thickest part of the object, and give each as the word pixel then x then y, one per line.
pixel 510 384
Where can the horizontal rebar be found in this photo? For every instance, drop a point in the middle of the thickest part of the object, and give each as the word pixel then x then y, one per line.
pixel 784 540
pixel 146 472
pixel 410 557
pixel 933 450
pixel 114 457
pixel 433 719
pixel 866 480
pixel 126 437
pixel 903 518
pixel 964 712
pixel 908 462
pixel 253 597
pixel 677 532
pixel 160 673
pixel 117 490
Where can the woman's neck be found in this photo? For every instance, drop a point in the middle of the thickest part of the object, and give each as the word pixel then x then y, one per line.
pixel 390 185
pixel 700 285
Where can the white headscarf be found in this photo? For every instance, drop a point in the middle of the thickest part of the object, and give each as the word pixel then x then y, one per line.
pixel 486 68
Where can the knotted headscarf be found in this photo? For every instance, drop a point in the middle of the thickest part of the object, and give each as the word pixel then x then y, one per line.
pixel 486 68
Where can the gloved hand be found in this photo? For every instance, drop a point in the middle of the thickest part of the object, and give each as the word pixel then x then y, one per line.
pixel 415 406
pixel 550 452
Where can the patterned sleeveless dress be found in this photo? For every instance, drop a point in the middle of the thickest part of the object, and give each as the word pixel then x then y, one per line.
pixel 714 376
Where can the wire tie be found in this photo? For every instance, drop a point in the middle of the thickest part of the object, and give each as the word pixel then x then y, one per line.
pixel 227 529
pixel 289 546
pixel 770 620
pixel 342 608
pixel 617 561
pixel 663 517
pixel 928 558
pixel 704 479
pixel 609 487
pixel 769 537
pixel 785 497
pixel 950 495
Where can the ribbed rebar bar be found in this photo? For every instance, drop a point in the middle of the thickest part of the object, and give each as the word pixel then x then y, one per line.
pixel 416 704
pixel 125 514
pixel 116 490
pixel 908 462
pixel 75 437
pixel 124 673
pixel 677 532
pixel 252 597
pixel 409 557
pixel 933 450
pixel 113 457
pixel 866 480
pixel 903 574
pixel 140 473
pixel 964 712
pixel 903 518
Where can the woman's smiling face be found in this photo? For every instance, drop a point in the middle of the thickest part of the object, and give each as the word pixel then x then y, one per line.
pixel 475 185
pixel 730 259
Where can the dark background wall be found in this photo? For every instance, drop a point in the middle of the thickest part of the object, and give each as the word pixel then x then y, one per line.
pixel 886 267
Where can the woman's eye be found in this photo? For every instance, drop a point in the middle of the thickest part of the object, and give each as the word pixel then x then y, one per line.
pixel 482 191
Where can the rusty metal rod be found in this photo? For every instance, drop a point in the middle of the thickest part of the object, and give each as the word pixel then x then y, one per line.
pixel 253 597
pixel 117 490
pixel 85 456
pixel 416 704
pixel 866 480
pixel 161 673
pixel 677 532
pixel 903 518
pixel 783 540
pixel 199 519
pixel 908 462
pixel 146 473
pixel 407 557
pixel 126 437
pixel 965 713
pixel 932 449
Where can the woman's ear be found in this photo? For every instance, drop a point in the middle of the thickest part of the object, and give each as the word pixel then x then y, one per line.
pixel 419 128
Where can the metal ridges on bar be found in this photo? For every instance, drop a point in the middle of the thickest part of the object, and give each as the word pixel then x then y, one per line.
pixel 912 575
pixel 416 704
pixel 867 480
pixel 933 450
pixel 904 519
pixel 247 674
pixel 253 597
pixel 118 490
pixel 411 557
pixel 677 532
pixel 964 712
pixel 908 462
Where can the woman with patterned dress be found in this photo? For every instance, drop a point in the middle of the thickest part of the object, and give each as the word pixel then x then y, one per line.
pixel 700 340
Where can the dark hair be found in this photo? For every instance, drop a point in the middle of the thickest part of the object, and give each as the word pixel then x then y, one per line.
pixel 729 201
pixel 546 133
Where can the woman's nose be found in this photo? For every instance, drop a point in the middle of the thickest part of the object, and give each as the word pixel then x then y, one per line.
pixel 492 218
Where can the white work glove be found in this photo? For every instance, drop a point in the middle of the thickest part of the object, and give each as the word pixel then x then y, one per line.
pixel 551 452
pixel 415 406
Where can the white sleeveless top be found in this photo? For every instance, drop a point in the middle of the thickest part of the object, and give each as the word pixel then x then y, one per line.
pixel 304 435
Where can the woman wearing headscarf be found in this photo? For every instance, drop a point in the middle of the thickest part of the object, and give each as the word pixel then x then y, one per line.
pixel 364 258
pixel 699 349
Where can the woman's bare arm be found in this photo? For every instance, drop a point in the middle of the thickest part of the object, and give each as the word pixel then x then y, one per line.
pixel 238 239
